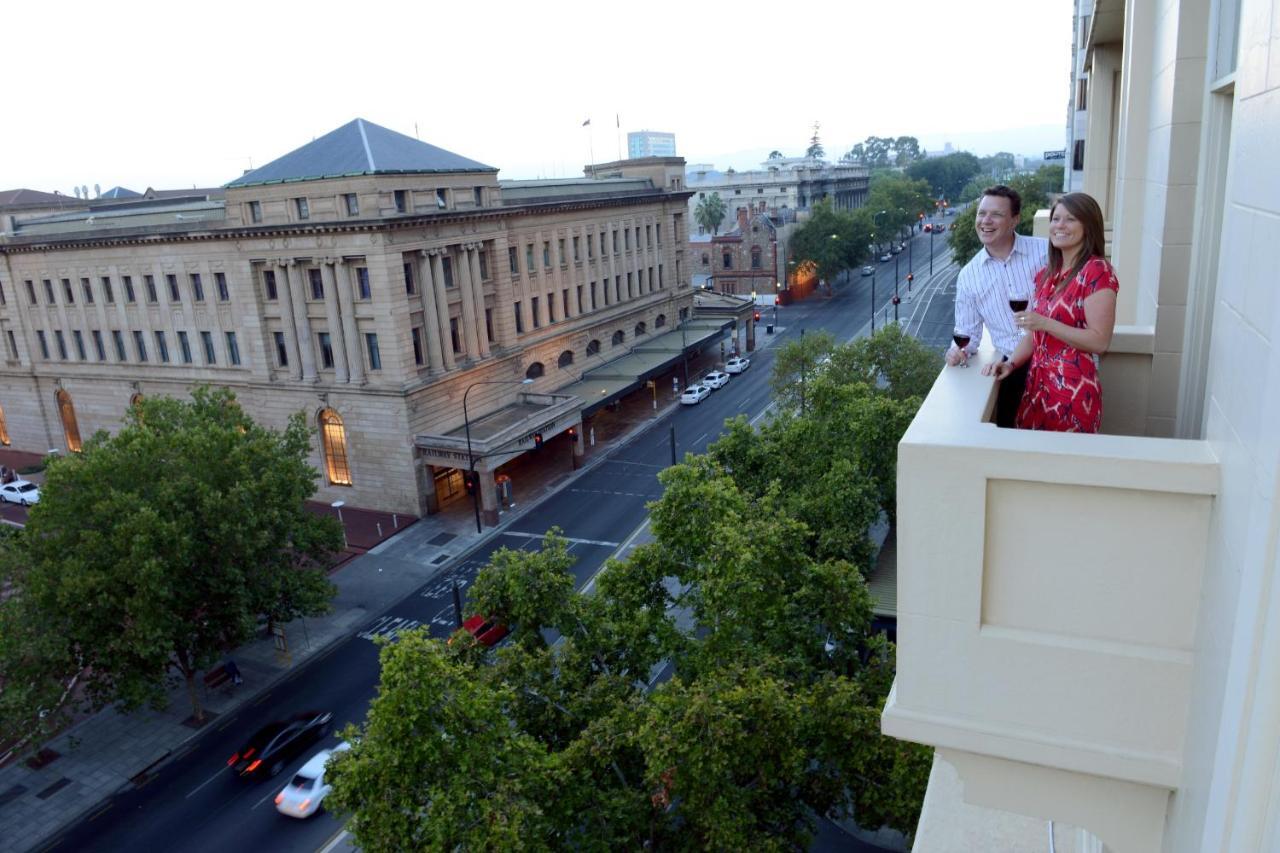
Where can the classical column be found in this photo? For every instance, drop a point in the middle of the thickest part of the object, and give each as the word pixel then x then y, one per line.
pixel 503 319
pixel 577 275
pixel 337 335
pixel 430 314
pixel 306 346
pixel 477 286
pixel 350 334
pixel 442 307
pixel 284 294
pixel 467 289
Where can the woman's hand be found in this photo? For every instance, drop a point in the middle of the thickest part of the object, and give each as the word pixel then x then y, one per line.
pixel 1001 370
pixel 1031 321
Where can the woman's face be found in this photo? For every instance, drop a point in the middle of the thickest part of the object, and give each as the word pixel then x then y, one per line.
pixel 1066 233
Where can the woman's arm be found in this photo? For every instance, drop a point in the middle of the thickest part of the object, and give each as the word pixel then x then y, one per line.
pixel 1099 323
pixel 1020 355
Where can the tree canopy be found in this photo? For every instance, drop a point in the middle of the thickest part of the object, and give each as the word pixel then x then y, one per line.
pixel 834 240
pixel 894 203
pixel 153 552
pixel 946 176
pixel 886 151
pixel 709 212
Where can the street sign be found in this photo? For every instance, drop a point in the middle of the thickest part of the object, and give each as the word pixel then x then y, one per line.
pixel 1060 154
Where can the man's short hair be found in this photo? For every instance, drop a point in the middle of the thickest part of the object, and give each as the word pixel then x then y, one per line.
pixel 1001 191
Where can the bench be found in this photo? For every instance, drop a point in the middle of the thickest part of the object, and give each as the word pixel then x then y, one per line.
pixel 217 677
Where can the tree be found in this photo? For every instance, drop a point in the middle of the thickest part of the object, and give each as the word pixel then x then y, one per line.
pixel 815 149
pixel 832 240
pixel 775 154
pixel 901 199
pixel 710 212
pixel 946 176
pixel 156 550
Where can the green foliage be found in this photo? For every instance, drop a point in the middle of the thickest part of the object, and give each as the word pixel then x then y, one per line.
pixel 709 212
pixel 1037 190
pixel 946 176
pixel 894 203
pixel 886 151
pixel 832 239
pixel 154 551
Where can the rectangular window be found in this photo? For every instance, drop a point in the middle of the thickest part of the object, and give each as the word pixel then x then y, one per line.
pixel 410 287
pixel 282 351
pixel 174 296
pixel 98 348
pixel 162 347
pixel 13 344
pixel 78 338
pixel 140 345
pixel 149 281
pixel 454 338
pixel 31 291
pixel 564 303
pixel 233 349
pixel 44 345
pixel 483 258
pixel 362 283
pixel 593 296
pixel 62 344
pixel 533 304
pixel 519 319
pixel 48 291
pixel 513 260
pixel 488 322
pixel 626 238
pixel 375 356
pixel 617 289
pixel 210 357
pixel 304 210
pixel 579 294
pixel 117 338
pixel 71 294
pixel 546 253
pixel 88 291
pixel 755 260
pixel 197 288
pixel 255 211
pixel 602 246
pixel 269 283
pixel 576 255
pixel 590 251
pixel 657 229
pixel 442 199
pixel 416 334
pixel 615 241
pixel 528 258
pixel 727 259
pixel 446 266
pixel 660 282
pixel 352 203
pixel 220 279
pixel 108 294
pixel 184 346
pixel 479 191
pixel 402 201
pixel 560 248
pixel 317 283
pixel 1077 156
pixel 648 235
pixel 551 307
pixel 629 293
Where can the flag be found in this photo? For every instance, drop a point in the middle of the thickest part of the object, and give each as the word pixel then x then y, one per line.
pixel 587 122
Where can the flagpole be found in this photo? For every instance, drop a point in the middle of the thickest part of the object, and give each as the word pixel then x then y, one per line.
pixel 591 149
pixel 618 118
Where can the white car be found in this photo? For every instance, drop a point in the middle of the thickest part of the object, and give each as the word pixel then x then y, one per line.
pixel 868 271
pixel 305 792
pixel 737 364
pixel 886 257
pixel 694 394
pixel 715 379
pixel 20 492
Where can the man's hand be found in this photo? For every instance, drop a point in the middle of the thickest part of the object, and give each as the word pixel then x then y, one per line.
pixel 955 356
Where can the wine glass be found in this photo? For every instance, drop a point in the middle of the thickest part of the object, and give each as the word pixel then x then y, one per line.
pixel 1018 305
pixel 962 341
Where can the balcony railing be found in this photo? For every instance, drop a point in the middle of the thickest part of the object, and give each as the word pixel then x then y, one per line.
pixel 1048 589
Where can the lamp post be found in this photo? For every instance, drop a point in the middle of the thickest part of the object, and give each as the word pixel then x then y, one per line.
pixel 466 425
pixel 873 302
pixel 338 505
pixel 875 221
pixel 932 234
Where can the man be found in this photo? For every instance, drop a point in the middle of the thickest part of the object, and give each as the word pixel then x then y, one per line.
pixel 1003 270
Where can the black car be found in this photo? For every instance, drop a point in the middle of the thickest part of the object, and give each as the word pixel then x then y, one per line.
pixel 274 745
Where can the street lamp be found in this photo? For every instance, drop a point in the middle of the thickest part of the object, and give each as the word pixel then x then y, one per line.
pixel 466 425
pixel 338 505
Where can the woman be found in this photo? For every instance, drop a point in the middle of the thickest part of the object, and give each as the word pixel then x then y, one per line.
pixel 1070 323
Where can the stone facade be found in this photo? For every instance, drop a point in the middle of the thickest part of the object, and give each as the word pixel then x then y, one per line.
pixel 742 261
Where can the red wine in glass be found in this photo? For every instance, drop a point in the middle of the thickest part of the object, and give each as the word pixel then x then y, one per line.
pixel 1018 304
pixel 962 341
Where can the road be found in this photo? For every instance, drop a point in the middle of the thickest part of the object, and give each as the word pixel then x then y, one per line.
pixel 193 803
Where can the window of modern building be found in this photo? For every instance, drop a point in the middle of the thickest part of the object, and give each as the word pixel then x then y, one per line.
pixel 593 347
pixel 641 329
pixel 415 334
pixel 533 306
pixel 565 359
pixel 66 289
pixel 67 413
pixel 363 289
pixel 304 209
pixel 317 282
pixel 140 345
pixel 62 344
pixel 375 355
pixel 455 339
pixel 352 203
pixel 233 349
pixel 727 260
pixel 479 196
pixel 442 199
pixel 48 292
pixel 149 281
pixel 618 338
pixel 108 294
pixel 210 356
pixel 282 351
pixel 44 344
pixel 88 291
pixel 446 269
pixel 546 253
pixel 402 201
pixel 31 292
pixel 162 347
pixel 333 439
pixel 220 280
pixel 78 339
pixel 197 288
pixel 535 371
pixel 4 430
pixel 174 296
pixel 519 319
pixel 98 348
pixel 255 211
pixel 660 321
pixel 513 260
pixel 117 338
pixel 184 347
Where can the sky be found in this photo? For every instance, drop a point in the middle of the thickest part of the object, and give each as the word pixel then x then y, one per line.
pixel 172 95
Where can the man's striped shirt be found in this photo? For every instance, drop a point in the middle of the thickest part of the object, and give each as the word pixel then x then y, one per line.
pixel 986 285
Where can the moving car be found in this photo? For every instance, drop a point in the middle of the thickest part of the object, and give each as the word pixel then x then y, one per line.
pixel 886 257
pixel 487 632
pixel 276 744
pixel 694 394
pixel 737 364
pixel 715 379
pixel 928 227
pixel 302 797
pixel 20 492
pixel 868 271
pixel 895 249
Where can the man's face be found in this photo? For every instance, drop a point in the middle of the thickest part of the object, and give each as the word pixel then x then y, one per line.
pixel 996 222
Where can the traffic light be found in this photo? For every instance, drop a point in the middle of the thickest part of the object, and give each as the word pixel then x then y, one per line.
pixel 897 300
pixel 757 317
pixel 911 277
pixel 471 480
pixel 573 434
pixel 537 441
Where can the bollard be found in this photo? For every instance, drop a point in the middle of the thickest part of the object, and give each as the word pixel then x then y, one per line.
pixel 379 529
pixel 395 521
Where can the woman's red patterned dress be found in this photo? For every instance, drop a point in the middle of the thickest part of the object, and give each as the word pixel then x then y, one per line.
pixel 1063 393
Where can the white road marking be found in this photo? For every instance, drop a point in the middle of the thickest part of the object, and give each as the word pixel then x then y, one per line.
pixel 269 796
pixel 338 838
pixel 388 626
pixel 205 782
pixel 567 539
pixel 591 582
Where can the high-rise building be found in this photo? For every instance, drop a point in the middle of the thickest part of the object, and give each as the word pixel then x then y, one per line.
pixel 1089 625
pixel 650 143
pixel 1078 98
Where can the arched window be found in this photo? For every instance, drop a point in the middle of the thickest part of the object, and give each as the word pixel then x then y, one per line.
pixel 535 370
pixel 566 358
pixel 67 411
pixel 4 430
pixel 640 329
pixel 618 337
pixel 333 440
pixel 593 348
pixel 135 400
pixel 660 321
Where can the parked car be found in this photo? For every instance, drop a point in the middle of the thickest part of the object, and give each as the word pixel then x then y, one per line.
pixel 276 744
pixel 487 632
pixel 886 257
pixel 20 492
pixel 694 395
pixel 737 364
pixel 895 249
pixel 715 379
pixel 928 227
pixel 306 791
pixel 868 271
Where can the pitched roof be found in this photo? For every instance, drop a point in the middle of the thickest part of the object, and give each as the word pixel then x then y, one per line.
pixel 359 148
pixel 13 198
pixel 120 192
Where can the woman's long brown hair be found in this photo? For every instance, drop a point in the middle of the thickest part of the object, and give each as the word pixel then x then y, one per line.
pixel 1083 207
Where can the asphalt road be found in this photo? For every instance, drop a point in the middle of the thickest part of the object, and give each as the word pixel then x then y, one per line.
pixel 193 803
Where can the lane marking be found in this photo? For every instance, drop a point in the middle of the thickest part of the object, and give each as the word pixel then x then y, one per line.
pixel 205 782
pixel 270 796
pixel 100 812
pixel 626 543
pixel 566 538
pixel 388 626
pixel 334 840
